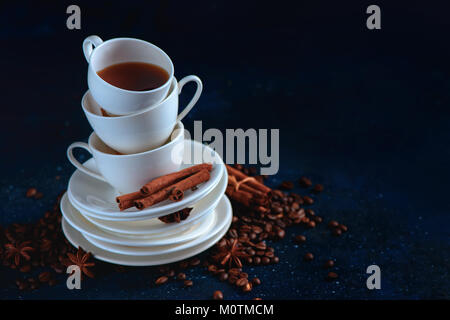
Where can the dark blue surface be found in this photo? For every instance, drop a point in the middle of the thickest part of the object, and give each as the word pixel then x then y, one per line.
pixel 366 113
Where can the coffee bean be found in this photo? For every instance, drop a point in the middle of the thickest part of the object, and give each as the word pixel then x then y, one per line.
pixel 212 268
pixel 223 276
pixel 31 192
pixel 318 219
pixel 181 276
pixel 343 227
pixel 188 283
pixel 281 233
pixel 265 260
pixel 311 224
pixel 333 224
pixel 52 282
pixel 286 185
pixel 269 254
pixel 243 275
pixel 332 276
pixel 329 264
pixel 256 281
pixel 318 188
pixel 337 232
pixel 241 282
pixel 247 287
pixel 309 256
pixel 170 273
pixel 305 182
pixel 300 239
pixel 232 279
pixel 218 295
pixel 308 200
pixel 195 262
pixel 44 276
pixel 257 299
pixel 22 285
pixel 26 268
pixel 275 259
pixel 161 280
pixel 310 212
pixel 249 260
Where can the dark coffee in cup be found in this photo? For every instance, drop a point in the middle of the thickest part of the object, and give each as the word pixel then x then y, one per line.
pixel 135 76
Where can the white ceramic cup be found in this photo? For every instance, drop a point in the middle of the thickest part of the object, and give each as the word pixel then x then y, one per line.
pixel 144 130
pixel 129 172
pixel 115 100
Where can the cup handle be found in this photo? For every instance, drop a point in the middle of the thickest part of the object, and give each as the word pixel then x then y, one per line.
pixel 88 46
pixel 196 96
pixel 77 164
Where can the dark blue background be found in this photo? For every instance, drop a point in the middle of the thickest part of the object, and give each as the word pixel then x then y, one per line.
pixel 364 112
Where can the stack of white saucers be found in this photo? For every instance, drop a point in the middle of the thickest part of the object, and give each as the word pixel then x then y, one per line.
pixel 92 220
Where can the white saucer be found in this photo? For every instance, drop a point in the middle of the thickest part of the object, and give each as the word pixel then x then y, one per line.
pixel 77 239
pixel 222 219
pixel 155 226
pixel 99 197
pixel 76 220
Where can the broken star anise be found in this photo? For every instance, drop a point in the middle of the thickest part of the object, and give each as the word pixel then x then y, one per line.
pixel 18 251
pixel 81 260
pixel 230 252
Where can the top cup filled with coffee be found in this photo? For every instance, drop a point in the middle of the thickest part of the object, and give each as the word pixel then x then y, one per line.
pixel 127 75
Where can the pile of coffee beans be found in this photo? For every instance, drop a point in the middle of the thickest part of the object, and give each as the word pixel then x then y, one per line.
pixel 42 246
pixel 38 246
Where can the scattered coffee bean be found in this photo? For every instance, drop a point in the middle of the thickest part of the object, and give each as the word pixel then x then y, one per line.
pixel 161 280
pixel 38 195
pixel 181 276
pixel 318 188
pixel 308 200
pixel 333 224
pixel 318 219
pixel 300 239
pixel 305 182
pixel 188 283
pixel 218 295
pixel 265 260
pixel 195 262
pixel 257 299
pixel 337 232
pixel 223 276
pixel 31 192
pixel 311 224
pixel 286 185
pixel 309 256
pixel 329 264
pixel 44 277
pixel 343 227
pixel 241 282
pixel 332 276
pixel 256 281
pixel 275 260
pixel 247 287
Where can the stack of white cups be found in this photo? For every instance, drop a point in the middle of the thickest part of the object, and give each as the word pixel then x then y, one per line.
pixel 138 136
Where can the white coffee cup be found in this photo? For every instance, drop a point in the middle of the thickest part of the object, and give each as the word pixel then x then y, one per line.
pixel 144 130
pixel 129 172
pixel 115 100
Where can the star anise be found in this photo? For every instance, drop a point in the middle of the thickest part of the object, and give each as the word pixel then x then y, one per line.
pixel 18 251
pixel 176 216
pixel 81 260
pixel 230 252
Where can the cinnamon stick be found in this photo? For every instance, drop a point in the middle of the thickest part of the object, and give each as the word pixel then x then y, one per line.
pixel 245 198
pixel 126 201
pixel 177 192
pixel 153 198
pixel 253 183
pixel 164 181
pixel 180 186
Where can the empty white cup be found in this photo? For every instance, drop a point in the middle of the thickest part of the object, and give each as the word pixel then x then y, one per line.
pixel 144 130
pixel 101 54
pixel 129 172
